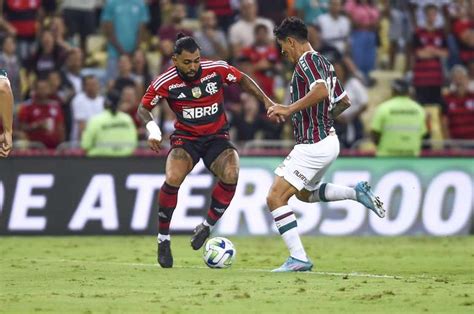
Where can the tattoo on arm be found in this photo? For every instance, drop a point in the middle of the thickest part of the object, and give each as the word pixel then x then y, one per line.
pixel 144 114
pixel 340 106
pixel 251 87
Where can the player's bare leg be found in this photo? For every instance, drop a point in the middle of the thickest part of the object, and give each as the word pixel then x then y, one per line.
pixel 178 165
pixel 226 168
pixel 285 220
pixel 328 192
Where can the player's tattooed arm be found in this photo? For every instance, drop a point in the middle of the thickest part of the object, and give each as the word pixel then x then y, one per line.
pixel 251 87
pixel 154 136
pixel 144 114
pixel 340 106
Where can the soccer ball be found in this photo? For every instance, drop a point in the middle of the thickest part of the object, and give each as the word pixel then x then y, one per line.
pixel 219 253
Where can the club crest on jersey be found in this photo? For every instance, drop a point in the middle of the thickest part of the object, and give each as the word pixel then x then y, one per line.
pixel 196 91
pixel 211 88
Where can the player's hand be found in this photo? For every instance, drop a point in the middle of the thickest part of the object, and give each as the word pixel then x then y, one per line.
pixel 6 144
pixel 279 111
pixel 154 144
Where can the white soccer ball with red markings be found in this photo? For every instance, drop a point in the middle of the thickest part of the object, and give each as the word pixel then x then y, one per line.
pixel 219 253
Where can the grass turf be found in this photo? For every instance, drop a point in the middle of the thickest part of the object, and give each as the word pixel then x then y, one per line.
pixel 119 275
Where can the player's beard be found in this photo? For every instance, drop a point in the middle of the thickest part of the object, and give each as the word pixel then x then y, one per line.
pixel 188 78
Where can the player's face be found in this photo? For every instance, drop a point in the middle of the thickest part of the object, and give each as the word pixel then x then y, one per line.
pixel 287 48
pixel 188 63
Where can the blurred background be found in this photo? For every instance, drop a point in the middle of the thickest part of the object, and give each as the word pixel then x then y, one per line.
pixel 63 57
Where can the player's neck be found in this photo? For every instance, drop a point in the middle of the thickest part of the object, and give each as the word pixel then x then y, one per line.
pixel 302 49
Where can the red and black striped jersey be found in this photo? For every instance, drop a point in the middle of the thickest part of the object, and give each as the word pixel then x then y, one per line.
pixel 460 113
pixel 198 105
pixel 428 72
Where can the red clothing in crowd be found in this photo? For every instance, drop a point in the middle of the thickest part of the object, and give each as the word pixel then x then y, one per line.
pixel 51 114
pixel 256 54
pixel 459 112
pixel 428 72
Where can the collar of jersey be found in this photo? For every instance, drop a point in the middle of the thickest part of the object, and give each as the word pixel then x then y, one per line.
pixel 304 54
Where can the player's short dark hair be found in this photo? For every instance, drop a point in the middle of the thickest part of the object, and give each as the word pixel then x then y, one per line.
pixel 292 27
pixel 430 6
pixel 184 42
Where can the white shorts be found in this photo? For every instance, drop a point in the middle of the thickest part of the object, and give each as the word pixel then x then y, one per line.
pixel 306 164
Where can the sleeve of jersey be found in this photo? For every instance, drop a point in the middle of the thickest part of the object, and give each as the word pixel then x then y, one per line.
pixel 339 92
pixel 153 96
pixel 230 74
pixel 312 71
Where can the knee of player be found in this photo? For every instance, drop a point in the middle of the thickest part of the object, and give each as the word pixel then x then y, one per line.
pixel 174 179
pixel 231 175
pixel 273 200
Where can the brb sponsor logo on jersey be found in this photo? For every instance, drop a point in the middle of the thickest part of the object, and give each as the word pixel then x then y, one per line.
pixel 199 112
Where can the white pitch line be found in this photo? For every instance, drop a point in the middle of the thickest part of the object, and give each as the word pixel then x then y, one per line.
pixel 245 270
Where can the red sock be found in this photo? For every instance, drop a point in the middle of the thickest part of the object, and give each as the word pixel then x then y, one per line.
pixel 167 203
pixel 221 197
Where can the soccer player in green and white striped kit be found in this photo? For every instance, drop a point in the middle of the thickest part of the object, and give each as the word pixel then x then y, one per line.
pixel 317 97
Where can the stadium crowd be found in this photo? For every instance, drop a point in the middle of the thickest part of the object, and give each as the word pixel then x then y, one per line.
pixel 63 57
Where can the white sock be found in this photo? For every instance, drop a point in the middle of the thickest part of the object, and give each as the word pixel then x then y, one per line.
pixel 328 192
pixel 163 237
pixel 285 221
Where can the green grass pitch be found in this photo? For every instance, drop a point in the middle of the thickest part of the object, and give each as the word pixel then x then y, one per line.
pixel 352 274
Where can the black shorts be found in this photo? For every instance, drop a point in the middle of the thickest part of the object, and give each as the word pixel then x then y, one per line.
pixel 208 148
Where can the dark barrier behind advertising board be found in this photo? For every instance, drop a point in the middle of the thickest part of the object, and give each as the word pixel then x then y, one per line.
pixel 59 196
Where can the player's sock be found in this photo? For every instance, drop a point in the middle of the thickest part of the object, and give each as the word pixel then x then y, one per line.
pixel 285 220
pixel 221 197
pixel 167 203
pixel 163 237
pixel 328 192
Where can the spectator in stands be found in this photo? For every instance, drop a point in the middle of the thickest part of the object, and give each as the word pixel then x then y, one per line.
pixel 41 118
pixel 125 76
pixel 458 114
pixel 128 103
pixel 10 62
pixel 111 133
pixel 241 33
pixel 335 27
pixel 365 20
pixel 168 32
pixel 349 124
pixel 85 105
pixel 223 10
pixel 276 12
pixel 264 58
pixel 401 31
pixel 430 49
pixel 72 70
pixel 330 52
pixel 463 31
pixel 49 56
pixel 310 10
pixel 124 24
pixel 59 32
pixel 418 9
pixel 399 124
pixel 80 18
pixel 470 72
pixel 210 38
pixel 21 18
pixel 141 70
pixel 248 122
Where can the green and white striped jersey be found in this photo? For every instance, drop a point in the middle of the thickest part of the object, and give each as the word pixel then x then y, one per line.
pixel 313 124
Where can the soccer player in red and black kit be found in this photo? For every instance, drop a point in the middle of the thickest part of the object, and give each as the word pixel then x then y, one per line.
pixel 193 89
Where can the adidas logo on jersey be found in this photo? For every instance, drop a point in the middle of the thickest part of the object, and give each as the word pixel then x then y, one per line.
pixel 181 96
